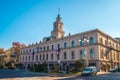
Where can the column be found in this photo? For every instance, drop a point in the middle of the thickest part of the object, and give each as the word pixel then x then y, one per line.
pixel 61 66
pixel 98 65
pixel 68 66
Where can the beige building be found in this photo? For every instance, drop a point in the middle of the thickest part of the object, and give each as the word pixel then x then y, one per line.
pixel 100 49
pixel 11 55
pixel 2 57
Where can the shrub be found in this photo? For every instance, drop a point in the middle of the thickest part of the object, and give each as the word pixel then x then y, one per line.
pixel 39 68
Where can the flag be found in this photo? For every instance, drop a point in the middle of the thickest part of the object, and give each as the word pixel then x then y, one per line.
pixel 57 51
pixel 31 53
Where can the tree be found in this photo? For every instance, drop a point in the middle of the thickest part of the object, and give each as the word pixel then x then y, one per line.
pixel 80 64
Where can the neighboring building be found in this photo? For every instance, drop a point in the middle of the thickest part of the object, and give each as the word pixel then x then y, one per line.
pixel 100 49
pixel 12 54
pixel 2 57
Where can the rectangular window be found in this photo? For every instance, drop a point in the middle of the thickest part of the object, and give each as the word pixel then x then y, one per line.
pixel 40 57
pixel 46 56
pixel 73 55
pixel 65 55
pixel 58 56
pixel 23 58
pixel 52 47
pixel 43 56
pixel 36 57
pixel 32 57
pixel 21 52
pixel 106 42
pixel 37 49
pixel 40 48
pixel 29 58
pixel 29 50
pixel 26 58
pixel 52 56
pixel 47 48
pixel 26 51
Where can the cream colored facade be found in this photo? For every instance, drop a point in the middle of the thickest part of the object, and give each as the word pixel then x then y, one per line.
pixel 102 50
pixel 12 55
pixel 2 57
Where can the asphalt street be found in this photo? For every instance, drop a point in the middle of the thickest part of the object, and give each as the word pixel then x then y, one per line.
pixel 25 75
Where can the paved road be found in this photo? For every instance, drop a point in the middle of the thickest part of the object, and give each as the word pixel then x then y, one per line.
pixel 110 76
pixel 23 75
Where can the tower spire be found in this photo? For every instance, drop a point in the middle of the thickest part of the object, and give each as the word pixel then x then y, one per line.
pixel 58 17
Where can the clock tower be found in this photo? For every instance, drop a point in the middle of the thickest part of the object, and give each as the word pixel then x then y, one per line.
pixel 57 28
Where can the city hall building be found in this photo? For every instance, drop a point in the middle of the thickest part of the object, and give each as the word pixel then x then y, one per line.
pixel 99 48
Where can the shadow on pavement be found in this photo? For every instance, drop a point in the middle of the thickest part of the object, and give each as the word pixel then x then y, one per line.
pixel 19 74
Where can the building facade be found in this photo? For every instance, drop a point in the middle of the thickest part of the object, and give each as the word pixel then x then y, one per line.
pixel 2 57
pixel 11 55
pixel 100 49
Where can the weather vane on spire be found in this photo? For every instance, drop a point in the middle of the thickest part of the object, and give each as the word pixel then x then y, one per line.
pixel 58 13
pixel 58 10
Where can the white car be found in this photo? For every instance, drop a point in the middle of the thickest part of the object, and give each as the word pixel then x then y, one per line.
pixel 89 71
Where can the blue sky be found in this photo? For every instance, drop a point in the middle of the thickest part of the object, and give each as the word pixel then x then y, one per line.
pixel 28 21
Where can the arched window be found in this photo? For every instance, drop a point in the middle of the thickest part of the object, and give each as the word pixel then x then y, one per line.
pixel 92 53
pixel 82 54
pixel 81 43
pixel 58 46
pixel 73 43
pixel 65 44
pixel 91 40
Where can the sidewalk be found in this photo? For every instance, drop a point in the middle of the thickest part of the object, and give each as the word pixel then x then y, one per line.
pixel 51 74
pixel 100 73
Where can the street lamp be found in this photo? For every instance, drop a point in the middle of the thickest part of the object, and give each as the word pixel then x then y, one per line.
pixel 58 58
pixel 84 41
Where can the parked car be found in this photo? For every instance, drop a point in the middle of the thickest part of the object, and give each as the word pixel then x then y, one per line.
pixel 88 71
pixel 114 69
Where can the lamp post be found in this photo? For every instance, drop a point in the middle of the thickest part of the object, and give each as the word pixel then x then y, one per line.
pixel 58 58
pixel 84 41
